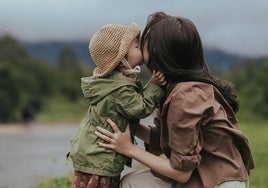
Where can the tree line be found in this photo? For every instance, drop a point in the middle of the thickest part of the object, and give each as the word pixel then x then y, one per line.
pixel 27 83
pixel 251 80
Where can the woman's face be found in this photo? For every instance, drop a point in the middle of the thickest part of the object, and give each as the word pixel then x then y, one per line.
pixel 145 53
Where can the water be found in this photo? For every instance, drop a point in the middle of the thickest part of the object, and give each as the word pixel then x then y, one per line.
pixel 32 154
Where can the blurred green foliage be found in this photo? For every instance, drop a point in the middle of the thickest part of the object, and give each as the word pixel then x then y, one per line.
pixel 60 109
pixel 257 135
pixel 64 182
pixel 251 80
pixel 28 84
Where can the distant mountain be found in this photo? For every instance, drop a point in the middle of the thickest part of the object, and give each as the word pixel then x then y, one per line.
pixel 217 60
pixel 49 51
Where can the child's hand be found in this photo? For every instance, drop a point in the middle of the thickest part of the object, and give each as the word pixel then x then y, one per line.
pixel 158 78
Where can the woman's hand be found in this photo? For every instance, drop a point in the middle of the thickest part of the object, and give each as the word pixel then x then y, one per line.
pixel 117 141
pixel 121 143
pixel 158 78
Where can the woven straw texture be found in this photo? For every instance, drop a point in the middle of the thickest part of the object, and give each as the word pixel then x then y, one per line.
pixel 109 45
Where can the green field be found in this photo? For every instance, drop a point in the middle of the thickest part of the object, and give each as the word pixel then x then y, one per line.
pixel 59 109
pixel 255 131
pixel 257 134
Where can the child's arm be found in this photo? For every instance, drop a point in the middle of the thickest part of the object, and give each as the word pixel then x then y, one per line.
pixel 129 103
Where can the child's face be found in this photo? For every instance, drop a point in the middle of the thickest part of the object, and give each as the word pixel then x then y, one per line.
pixel 134 55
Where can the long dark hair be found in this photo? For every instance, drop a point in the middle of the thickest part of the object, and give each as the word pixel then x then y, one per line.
pixel 175 48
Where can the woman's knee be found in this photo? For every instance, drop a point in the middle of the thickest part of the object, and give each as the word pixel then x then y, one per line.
pixel 138 179
pixel 128 180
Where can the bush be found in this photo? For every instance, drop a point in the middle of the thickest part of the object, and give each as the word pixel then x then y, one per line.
pixel 27 83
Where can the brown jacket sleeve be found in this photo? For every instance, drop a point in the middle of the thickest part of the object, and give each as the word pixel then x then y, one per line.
pixel 188 108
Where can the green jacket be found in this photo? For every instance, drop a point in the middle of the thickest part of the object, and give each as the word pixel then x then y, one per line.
pixel 115 97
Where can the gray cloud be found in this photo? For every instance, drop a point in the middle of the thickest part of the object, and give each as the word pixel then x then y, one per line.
pixel 236 26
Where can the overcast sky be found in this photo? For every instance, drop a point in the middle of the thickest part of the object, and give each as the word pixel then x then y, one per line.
pixel 236 26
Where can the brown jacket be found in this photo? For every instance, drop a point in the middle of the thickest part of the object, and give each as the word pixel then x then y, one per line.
pixel 197 130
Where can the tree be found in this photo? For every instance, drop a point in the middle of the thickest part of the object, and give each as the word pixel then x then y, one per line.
pixel 25 82
pixel 11 50
pixel 71 72
pixel 67 58
pixel 251 80
pixel 9 98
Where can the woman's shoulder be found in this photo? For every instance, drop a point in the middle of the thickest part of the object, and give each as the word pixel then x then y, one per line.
pixel 194 87
pixel 187 96
pixel 191 92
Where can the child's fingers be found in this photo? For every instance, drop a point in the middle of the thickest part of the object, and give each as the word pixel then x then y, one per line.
pixel 156 74
pixel 162 79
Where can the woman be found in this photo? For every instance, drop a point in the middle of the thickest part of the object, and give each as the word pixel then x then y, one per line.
pixel 196 127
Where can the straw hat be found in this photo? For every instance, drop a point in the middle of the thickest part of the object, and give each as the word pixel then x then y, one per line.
pixel 109 46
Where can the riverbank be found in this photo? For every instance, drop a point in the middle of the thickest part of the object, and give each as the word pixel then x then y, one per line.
pixel 32 153
pixel 35 152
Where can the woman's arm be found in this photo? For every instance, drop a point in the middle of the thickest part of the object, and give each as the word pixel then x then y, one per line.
pixel 158 164
pixel 121 143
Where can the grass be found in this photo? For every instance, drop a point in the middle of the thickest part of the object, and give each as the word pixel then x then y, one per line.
pixel 256 133
pixel 63 182
pixel 61 109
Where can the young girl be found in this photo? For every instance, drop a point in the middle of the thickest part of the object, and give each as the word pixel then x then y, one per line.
pixel 111 91
pixel 196 128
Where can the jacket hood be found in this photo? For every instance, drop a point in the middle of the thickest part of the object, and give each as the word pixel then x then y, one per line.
pixel 95 89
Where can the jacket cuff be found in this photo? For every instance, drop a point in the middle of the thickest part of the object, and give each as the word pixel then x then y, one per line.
pixel 184 163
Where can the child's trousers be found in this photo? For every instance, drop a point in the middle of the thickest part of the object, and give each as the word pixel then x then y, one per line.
pixel 84 180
